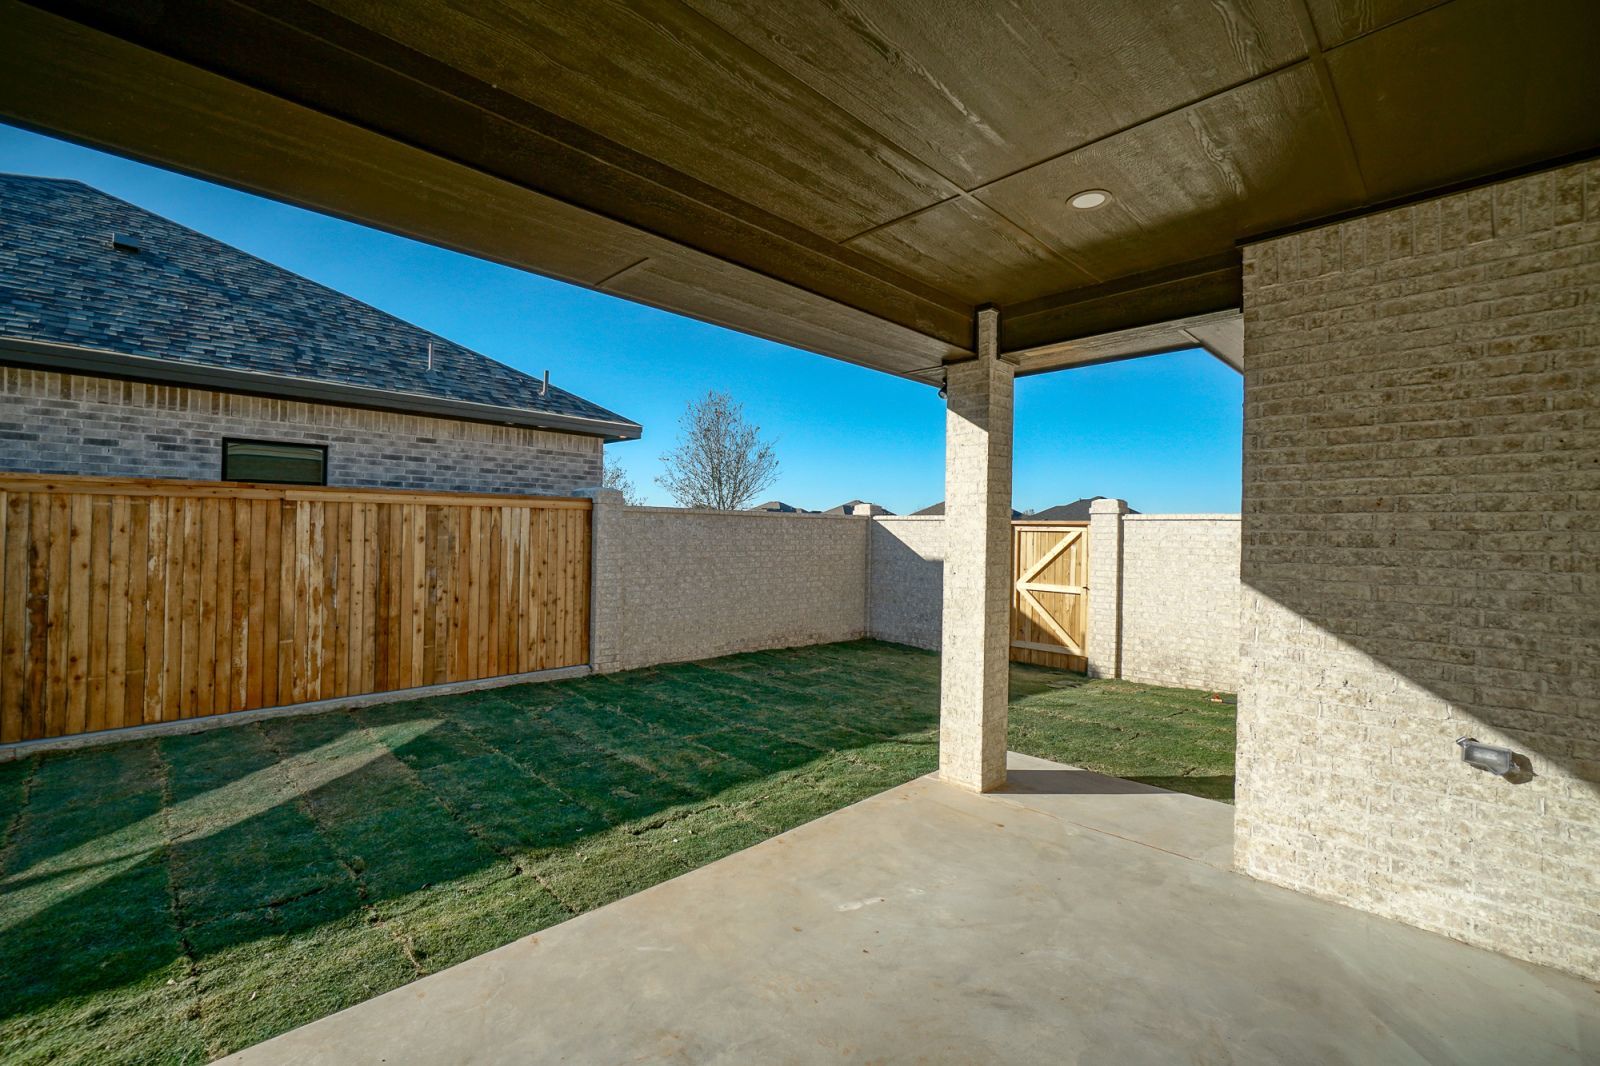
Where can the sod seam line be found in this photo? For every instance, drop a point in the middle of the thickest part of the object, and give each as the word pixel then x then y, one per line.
pixel 362 894
pixel 471 828
pixel 180 927
pixel 537 874
pixel 14 825
pixel 709 801
pixel 712 802
pixel 849 755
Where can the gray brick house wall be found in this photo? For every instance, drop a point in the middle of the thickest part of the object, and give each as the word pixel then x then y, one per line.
pixel 76 424
pixel 1421 561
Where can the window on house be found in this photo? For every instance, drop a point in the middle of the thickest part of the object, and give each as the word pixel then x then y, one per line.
pixel 265 460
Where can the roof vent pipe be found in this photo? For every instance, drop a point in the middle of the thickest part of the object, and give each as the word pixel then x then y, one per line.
pixel 546 386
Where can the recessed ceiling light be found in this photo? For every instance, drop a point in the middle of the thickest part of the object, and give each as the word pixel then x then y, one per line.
pixel 1089 199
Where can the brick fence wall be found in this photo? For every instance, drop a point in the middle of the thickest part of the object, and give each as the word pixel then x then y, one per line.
pixel 54 423
pixel 695 584
pixel 905 576
pixel 1176 582
pixel 1180 599
pixel 1421 556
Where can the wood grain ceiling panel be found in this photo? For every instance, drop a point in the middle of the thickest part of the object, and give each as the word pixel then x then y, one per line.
pixel 223 132
pixel 977 91
pixel 724 295
pixel 656 77
pixel 1190 183
pixel 966 249
pixel 1203 287
pixel 1470 89
pixel 1338 21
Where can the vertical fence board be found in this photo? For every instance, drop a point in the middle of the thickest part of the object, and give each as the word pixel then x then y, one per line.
pixel 36 695
pixel 418 534
pixel 138 621
pixel 336 638
pixel 13 613
pixel 459 575
pixel 224 636
pixel 183 599
pixel 155 591
pixel 117 606
pixel 256 597
pixel 315 563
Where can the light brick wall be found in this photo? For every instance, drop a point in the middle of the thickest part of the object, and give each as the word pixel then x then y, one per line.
pixel 1421 556
pixel 1180 600
pixel 906 579
pixel 1178 579
pixel 74 424
pixel 695 584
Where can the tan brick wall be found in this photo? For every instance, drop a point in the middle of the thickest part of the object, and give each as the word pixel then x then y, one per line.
pixel 905 578
pixel 1103 642
pixel 1180 600
pixel 1177 577
pixel 695 584
pixel 1421 556
pixel 54 423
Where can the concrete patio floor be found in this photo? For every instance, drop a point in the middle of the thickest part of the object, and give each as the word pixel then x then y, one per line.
pixel 1075 918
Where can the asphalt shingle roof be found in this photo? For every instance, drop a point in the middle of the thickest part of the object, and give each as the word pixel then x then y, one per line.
pixel 1076 511
pixel 188 299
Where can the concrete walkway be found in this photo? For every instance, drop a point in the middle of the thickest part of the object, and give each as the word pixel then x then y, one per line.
pixel 1074 919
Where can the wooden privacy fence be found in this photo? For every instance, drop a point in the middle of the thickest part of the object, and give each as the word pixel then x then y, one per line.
pixel 130 602
pixel 1050 593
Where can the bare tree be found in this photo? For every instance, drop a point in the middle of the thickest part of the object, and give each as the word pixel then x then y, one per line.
pixel 614 477
pixel 720 460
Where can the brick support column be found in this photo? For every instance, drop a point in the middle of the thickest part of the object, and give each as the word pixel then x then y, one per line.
pixel 605 594
pixel 974 681
pixel 1104 650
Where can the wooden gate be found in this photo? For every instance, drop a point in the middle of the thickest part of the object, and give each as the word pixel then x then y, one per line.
pixel 1050 593
pixel 127 602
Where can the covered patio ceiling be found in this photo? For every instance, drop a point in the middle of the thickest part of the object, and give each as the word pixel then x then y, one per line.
pixel 853 179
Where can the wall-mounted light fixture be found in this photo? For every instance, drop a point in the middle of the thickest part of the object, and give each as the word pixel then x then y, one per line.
pixel 1501 761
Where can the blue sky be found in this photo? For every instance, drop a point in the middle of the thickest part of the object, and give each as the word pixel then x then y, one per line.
pixel 1162 432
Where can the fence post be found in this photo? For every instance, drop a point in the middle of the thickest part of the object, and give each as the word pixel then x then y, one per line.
pixel 1104 646
pixel 605 593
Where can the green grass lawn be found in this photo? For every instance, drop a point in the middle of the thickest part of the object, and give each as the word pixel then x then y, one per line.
pixel 174 900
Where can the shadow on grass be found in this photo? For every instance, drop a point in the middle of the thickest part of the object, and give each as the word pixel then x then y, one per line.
pixel 1216 787
pixel 417 817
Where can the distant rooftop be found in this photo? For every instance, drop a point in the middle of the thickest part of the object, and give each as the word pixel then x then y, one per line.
pixel 91 283
pixel 938 509
pixel 1076 511
pixel 859 507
